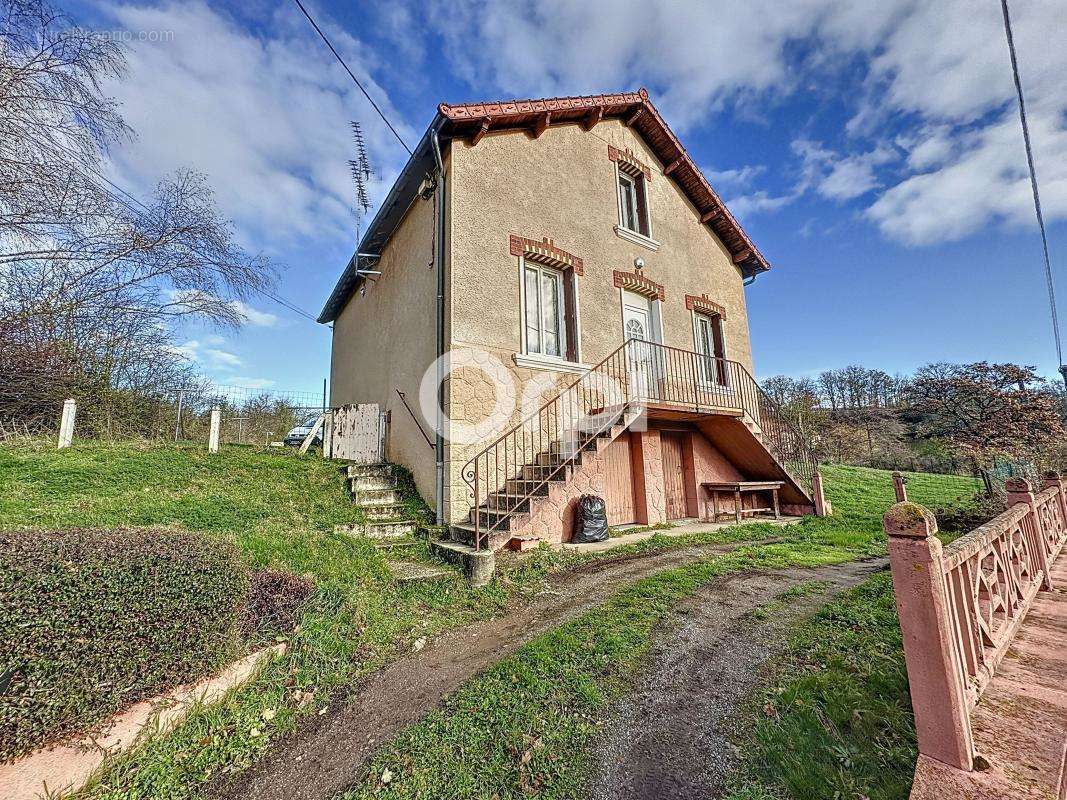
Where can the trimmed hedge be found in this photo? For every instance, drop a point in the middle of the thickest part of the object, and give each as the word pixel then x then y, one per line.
pixel 92 621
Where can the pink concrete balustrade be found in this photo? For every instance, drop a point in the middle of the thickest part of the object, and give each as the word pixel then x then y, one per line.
pixel 961 605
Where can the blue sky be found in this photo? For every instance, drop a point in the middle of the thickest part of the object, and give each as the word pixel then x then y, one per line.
pixel 871 149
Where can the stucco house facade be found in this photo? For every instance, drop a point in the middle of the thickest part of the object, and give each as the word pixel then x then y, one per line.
pixel 587 284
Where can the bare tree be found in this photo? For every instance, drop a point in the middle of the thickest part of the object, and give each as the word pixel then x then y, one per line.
pixel 92 280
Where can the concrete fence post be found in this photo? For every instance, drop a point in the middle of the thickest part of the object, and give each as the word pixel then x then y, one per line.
pixel 213 431
pixel 66 423
pixel 942 721
pixel 899 486
pixel 1020 491
pixel 822 507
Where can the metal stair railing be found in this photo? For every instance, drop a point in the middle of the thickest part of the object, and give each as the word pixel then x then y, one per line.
pixel 517 466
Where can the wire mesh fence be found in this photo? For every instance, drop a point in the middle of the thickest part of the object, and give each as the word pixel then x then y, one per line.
pixel 31 407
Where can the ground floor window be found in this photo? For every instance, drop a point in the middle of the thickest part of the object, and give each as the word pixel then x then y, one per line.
pixel 548 318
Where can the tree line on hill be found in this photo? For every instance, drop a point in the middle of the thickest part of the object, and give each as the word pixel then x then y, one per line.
pixel 982 418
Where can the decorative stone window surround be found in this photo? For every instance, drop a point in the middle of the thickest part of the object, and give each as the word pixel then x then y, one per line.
pixel 639 284
pixel 626 162
pixel 704 305
pixel 545 252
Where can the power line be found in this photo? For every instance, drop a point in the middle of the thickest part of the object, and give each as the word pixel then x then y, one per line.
pixel 337 55
pixel 77 167
pixel 1033 186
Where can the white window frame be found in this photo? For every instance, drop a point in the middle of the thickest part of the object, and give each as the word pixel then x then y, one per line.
pixel 698 316
pixel 624 231
pixel 539 358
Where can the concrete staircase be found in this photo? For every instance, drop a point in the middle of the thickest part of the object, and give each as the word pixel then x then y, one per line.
pixel 505 515
pixel 390 523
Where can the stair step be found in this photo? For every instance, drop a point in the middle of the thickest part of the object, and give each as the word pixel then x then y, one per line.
pixel 397 543
pixel 540 472
pixel 499 501
pixel 376 497
pixel 555 459
pixel 384 511
pixel 414 571
pixel 463 534
pixel 371 483
pixel 379 529
pixel 506 521
pixel 538 487
pixel 369 470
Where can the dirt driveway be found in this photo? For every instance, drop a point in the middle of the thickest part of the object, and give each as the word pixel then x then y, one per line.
pixel 327 755
pixel 672 738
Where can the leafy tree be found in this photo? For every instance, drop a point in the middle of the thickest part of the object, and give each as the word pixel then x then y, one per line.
pixel 986 410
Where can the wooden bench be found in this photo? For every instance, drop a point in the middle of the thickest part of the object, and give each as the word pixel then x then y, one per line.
pixel 737 488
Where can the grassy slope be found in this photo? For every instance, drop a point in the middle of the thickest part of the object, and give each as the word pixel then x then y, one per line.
pixel 280 510
pixel 523 726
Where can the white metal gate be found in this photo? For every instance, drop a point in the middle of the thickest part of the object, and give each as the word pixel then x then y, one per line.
pixel 356 433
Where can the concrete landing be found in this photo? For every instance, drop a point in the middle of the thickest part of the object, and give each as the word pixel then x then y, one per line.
pixel 1020 724
pixel 683 528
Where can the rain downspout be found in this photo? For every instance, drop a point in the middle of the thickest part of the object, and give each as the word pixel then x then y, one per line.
pixel 439 440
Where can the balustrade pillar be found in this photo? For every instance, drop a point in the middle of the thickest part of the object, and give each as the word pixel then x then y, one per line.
pixel 1020 491
pixel 935 674
pixel 1052 479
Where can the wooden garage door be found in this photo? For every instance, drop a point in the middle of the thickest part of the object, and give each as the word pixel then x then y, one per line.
pixel 673 475
pixel 619 482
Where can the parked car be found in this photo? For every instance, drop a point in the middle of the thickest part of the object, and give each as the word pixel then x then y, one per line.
pixel 297 435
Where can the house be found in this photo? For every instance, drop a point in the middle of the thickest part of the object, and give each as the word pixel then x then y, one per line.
pixel 588 284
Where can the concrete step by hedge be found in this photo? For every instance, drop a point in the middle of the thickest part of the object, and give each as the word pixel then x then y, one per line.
pixel 387 511
pixel 414 571
pixel 478 565
pixel 370 483
pixel 379 529
pixel 369 470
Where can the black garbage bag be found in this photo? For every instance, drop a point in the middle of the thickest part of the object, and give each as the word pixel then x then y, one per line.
pixel 592 522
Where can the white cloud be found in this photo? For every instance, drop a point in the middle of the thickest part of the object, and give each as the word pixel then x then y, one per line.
pixel 254 316
pixel 263 113
pixel 938 68
pixel 222 358
pixel 836 176
pixel 747 205
pixel 242 382
pixel 739 178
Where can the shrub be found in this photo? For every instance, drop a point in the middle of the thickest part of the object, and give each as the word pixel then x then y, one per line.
pixel 92 621
pixel 274 601
pixel 966 514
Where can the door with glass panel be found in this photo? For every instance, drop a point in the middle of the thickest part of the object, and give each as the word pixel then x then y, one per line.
pixel 710 346
pixel 637 326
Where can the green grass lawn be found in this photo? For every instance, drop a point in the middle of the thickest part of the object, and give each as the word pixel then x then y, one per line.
pixel 280 510
pixel 834 720
pixel 524 726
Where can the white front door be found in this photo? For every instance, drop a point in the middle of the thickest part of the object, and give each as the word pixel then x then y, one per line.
pixel 637 324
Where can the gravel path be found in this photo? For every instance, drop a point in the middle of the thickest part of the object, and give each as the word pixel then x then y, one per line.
pixel 327 754
pixel 672 737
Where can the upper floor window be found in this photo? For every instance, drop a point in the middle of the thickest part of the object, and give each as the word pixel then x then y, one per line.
pixel 633 203
pixel 709 343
